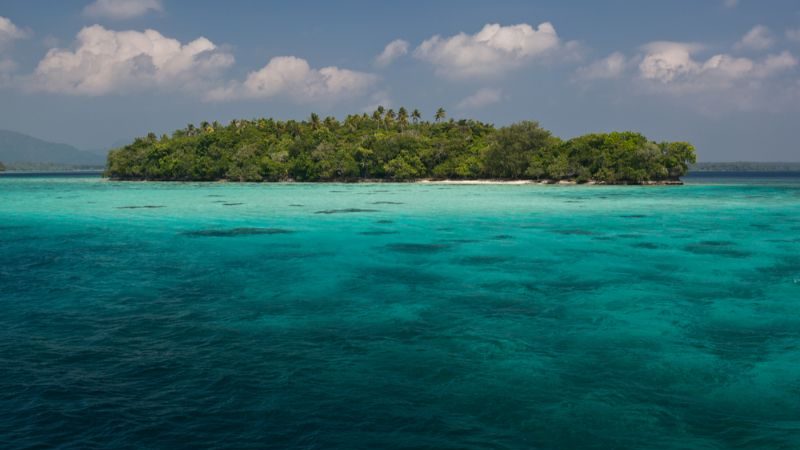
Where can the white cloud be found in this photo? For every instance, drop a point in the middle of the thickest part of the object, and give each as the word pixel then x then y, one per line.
pixel 612 66
pixel 672 66
pixel 9 32
pixel 793 35
pixel 121 9
pixel 758 38
pixel 492 51
pixel 666 61
pixel 106 61
pixel 710 83
pixel 483 97
pixel 730 3
pixel 774 64
pixel 392 51
pixel 296 79
pixel 719 83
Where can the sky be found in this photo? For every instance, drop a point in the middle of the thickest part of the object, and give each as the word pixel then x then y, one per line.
pixel 722 74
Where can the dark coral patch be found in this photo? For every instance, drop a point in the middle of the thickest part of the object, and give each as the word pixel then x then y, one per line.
pixel 346 210
pixel 415 248
pixel 232 232
pixel 463 241
pixel 574 232
pixel 647 245
pixel 482 260
pixel 719 248
pixel 377 232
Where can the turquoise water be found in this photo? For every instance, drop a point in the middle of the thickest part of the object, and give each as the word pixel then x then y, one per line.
pixel 351 316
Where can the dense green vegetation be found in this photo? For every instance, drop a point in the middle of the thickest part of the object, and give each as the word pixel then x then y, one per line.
pixel 394 146
pixel 2 167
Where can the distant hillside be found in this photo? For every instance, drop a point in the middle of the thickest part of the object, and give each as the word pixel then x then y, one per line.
pixel 745 166
pixel 21 150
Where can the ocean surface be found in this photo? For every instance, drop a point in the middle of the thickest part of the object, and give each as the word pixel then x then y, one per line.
pixel 350 316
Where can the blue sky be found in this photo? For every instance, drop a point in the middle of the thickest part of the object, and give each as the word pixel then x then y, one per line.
pixel 722 74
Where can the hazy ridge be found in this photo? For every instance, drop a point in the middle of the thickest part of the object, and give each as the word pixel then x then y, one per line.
pixel 20 151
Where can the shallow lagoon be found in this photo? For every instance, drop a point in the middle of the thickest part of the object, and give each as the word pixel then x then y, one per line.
pixel 399 315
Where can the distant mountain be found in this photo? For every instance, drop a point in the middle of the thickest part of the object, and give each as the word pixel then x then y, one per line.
pixel 745 166
pixel 17 149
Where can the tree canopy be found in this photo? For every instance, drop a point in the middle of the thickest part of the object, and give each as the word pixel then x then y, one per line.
pixel 396 146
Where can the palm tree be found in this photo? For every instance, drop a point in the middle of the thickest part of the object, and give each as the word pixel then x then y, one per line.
pixel 440 114
pixel 314 120
pixel 389 118
pixel 331 122
pixel 415 116
pixel 378 114
pixel 402 116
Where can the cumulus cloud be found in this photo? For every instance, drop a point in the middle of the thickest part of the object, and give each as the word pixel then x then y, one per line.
pixel 483 97
pixel 718 83
pixel 673 66
pixel 667 61
pixel 612 66
pixel 391 52
pixel 492 51
pixel 294 78
pixel 758 38
pixel 730 3
pixel 121 9
pixel 793 35
pixel 106 61
pixel 9 32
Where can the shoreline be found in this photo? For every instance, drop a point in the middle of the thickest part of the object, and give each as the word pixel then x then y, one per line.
pixel 428 181
pixel 550 182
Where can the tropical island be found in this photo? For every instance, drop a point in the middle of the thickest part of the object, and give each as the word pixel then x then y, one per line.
pixel 396 146
pixel 2 167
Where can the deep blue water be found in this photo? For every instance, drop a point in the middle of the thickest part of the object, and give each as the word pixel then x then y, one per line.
pixel 186 315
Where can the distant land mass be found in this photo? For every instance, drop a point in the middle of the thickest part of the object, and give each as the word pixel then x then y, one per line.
pixel 396 146
pixel 22 152
pixel 745 166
